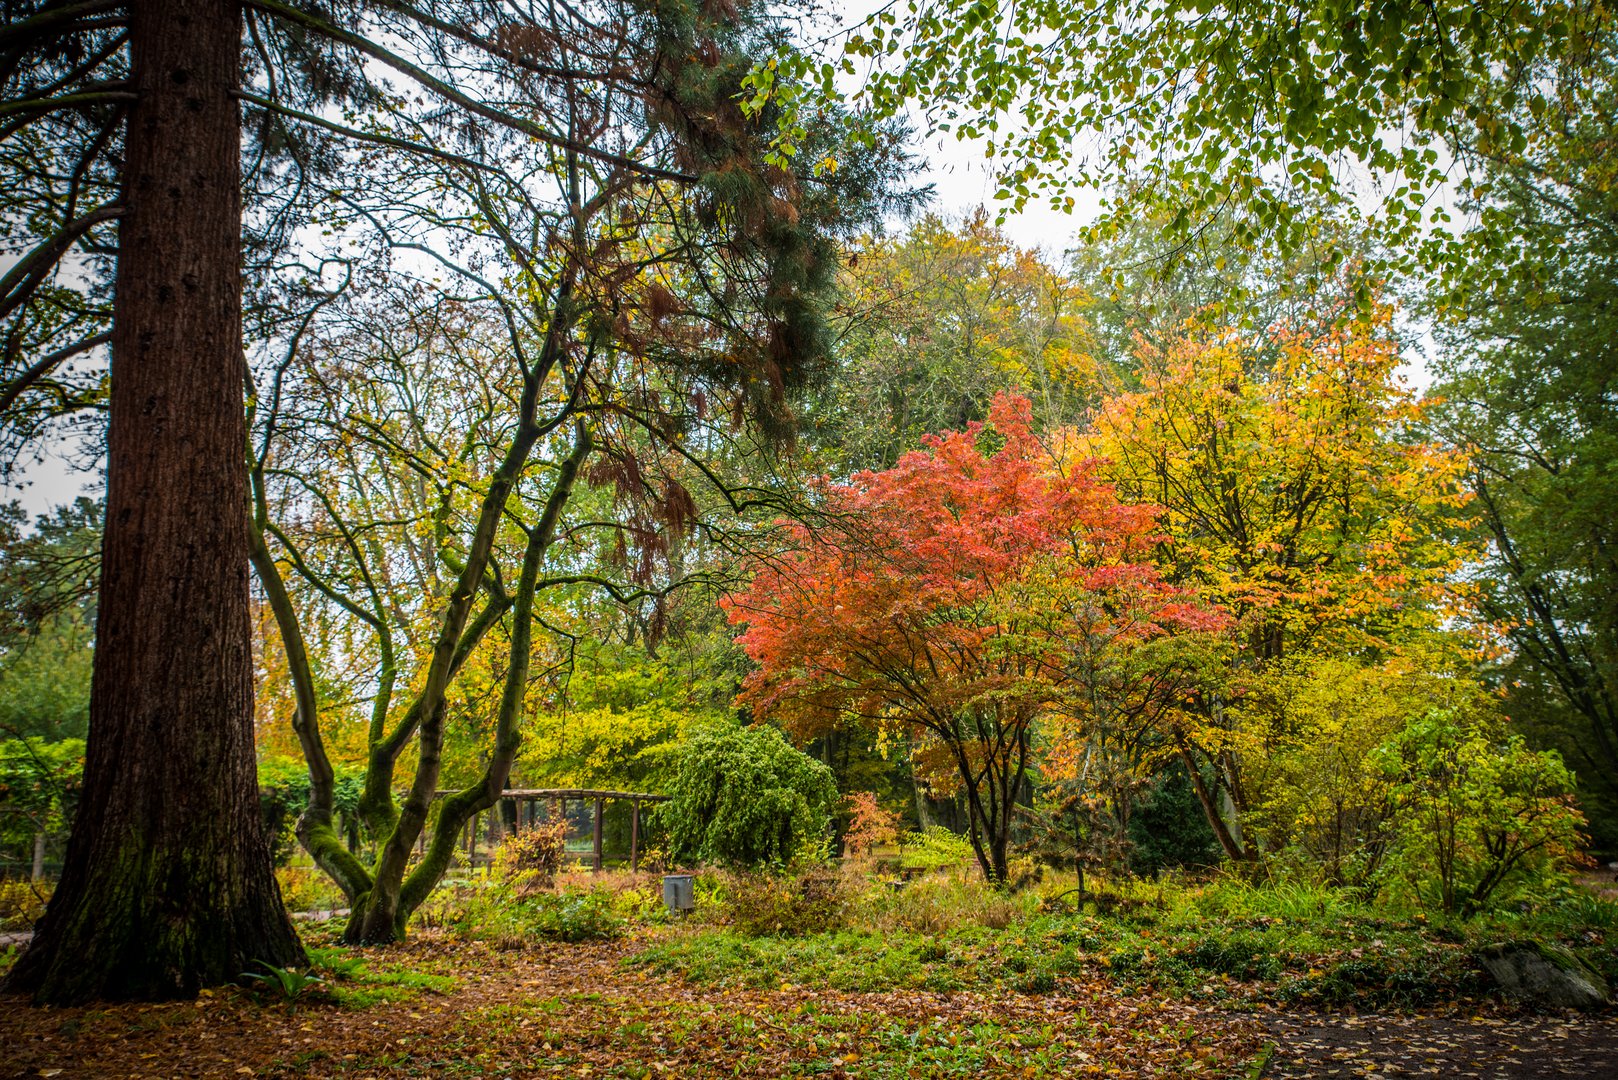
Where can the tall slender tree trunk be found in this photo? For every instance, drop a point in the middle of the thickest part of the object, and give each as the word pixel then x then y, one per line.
pixel 1212 810
pixel 167 885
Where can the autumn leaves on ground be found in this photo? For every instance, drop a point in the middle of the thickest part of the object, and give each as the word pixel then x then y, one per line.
pixel 576 1010
pixel 594 981
pixel 562 435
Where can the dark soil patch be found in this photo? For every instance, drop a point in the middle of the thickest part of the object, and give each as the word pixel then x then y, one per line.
pixel 1455 1043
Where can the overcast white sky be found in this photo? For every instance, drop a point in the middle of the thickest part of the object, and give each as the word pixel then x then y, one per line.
pixel 959 174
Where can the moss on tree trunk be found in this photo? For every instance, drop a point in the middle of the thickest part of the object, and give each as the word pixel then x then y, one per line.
pixel 167 885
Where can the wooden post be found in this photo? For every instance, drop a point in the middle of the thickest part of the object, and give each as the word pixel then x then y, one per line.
pixel 634 836
pixel 599 802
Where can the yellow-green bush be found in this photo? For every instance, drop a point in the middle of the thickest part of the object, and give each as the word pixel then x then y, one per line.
pixel 786 904
pixel 308 888
pixel 22 903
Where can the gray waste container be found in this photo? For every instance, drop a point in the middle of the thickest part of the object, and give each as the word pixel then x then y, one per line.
pixel 678 894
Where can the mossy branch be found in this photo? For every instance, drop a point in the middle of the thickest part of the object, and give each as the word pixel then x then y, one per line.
pixel 461 806
pixel 412 812
pixel 315 827
pixel 377 809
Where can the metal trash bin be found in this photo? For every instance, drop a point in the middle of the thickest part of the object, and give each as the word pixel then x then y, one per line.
pixel 679 895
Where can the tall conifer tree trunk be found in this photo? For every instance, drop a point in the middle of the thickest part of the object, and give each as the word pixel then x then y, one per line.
pixel 168 885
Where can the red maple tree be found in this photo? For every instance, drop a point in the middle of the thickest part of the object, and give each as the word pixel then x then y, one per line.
pixel 949 599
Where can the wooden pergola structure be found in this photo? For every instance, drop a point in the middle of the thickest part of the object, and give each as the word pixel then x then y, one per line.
pixel 525 807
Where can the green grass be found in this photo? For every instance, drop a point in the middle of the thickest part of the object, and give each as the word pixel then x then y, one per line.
pixel 1225 942
pixel 349 980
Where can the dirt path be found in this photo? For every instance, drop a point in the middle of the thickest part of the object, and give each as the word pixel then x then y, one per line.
pixel 1451 1044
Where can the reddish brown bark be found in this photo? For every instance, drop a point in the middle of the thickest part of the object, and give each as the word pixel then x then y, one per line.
pixel 168 885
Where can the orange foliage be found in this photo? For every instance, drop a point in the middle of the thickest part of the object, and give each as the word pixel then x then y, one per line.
pixel 1296 495
pixel 869 826
pixel 952 598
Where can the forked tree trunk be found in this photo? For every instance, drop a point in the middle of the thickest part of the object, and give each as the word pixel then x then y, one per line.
pixel 167 885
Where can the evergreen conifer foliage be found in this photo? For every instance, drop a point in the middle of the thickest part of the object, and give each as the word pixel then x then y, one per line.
pixel 569 170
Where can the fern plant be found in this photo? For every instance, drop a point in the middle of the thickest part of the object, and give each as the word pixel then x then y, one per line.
pixel 290 983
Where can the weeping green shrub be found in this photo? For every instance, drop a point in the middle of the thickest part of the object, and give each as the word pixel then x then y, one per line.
pixel 745 798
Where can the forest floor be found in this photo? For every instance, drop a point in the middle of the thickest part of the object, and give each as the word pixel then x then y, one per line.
pixel 443 1006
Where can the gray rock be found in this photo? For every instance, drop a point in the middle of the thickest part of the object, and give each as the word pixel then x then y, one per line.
pixel 1547 975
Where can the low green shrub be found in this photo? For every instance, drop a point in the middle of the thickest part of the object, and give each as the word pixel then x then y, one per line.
pixel 1222 942
pixel 938 905
pixel 1036 982
pixel 1242 955
pixel 1479 815
pixel 509 914
pixel 840 960
pixel 573 915
pixel 934 848
pixel 308 888
pixel 22 903
pixel 1303 901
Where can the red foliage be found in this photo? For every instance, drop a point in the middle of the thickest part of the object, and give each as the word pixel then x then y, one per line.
pixel 951 597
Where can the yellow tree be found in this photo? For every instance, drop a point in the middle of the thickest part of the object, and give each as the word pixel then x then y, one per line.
pixel 1310 729
pixel 1295 496
pixel 939 321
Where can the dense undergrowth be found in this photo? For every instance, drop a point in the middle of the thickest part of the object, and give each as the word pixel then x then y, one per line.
pixel 1219 941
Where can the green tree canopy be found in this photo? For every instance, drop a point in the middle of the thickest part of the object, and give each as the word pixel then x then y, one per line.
pixel 1528 386
pixel 47 619
pixel 1255 110
pixel 939 321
